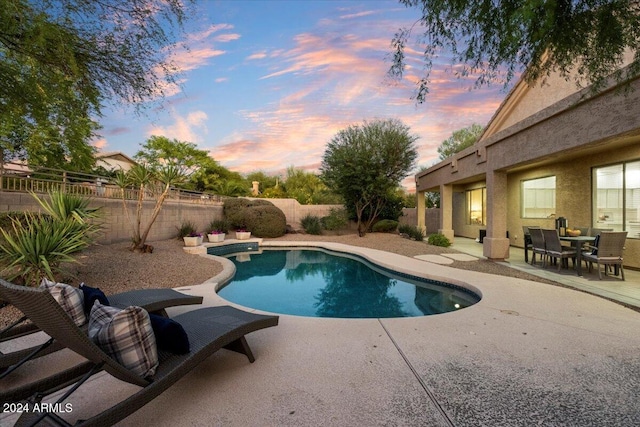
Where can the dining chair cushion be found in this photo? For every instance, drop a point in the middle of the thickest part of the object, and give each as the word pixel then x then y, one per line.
pixel 126 335
pixel 594 251
pixel 70 299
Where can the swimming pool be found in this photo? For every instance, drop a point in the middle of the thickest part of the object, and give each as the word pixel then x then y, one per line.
pixel 323 283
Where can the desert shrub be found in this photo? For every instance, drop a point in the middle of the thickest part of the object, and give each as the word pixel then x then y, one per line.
pixel 439 240
pixel 235 210
pixel 265 220
pixel 311 224
pixel 185 229
pixel 385 226
pixel 411 232
pixel 38 245
pixel 337 219
pixel 221 225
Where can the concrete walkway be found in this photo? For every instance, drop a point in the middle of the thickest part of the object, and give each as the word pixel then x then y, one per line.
pixel 527 354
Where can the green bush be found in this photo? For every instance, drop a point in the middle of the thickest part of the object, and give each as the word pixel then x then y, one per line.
pixel 235 210
pixel 265 221
pixel 337 219
pixel 411 232
pixel 186 228
pixel 261 217
pixel 385 226
pixel 439 240
pixel 221 225
pixel 311 224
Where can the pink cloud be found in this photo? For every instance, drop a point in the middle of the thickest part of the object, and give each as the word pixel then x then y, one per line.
pixel 189 128
pixel 101 144
pixel 257 55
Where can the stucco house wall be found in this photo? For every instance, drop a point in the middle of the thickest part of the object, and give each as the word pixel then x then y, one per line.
pixel 566 139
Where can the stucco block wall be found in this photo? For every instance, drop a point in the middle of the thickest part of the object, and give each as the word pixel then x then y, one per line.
pixel 294 211
pixel 117 227
pixel 431 215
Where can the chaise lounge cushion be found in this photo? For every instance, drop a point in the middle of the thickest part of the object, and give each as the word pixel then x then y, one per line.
pixel 170 335
pixel 92 295
pixel 70 299
pixel 126 335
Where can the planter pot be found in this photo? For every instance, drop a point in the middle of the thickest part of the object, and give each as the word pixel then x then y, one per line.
pixel 216 238
pixel 200 240
pixel 243 235
pixel 192 241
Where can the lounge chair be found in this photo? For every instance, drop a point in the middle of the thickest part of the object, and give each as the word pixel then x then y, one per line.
pixel 607 252
pixel 152 300
pixel 208 330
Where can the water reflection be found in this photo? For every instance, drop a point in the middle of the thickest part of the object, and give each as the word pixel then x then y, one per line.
pixel 315 283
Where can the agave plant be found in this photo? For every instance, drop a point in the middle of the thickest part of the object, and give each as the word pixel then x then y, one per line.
pixel 39 245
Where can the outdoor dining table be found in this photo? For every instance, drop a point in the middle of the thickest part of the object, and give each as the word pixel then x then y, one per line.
pixel 577 242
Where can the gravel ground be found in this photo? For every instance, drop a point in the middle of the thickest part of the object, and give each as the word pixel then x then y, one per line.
pixel 113 268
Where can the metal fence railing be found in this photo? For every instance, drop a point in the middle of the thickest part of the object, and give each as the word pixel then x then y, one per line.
pixel 17 177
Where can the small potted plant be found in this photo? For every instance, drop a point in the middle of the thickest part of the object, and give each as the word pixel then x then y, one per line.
pixel 242 234
pixel 216 236
pixel 193 239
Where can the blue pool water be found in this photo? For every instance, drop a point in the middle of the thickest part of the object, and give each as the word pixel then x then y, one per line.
pixel 320 283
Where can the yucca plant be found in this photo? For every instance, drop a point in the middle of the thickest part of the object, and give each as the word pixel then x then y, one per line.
pixel 39 245
pixel 62 206
pixel 143 178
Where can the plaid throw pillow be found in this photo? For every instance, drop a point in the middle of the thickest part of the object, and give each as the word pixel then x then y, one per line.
pixel 126 335
pixel 70 299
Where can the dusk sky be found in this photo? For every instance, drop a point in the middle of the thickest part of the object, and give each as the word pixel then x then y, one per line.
pixel 266 84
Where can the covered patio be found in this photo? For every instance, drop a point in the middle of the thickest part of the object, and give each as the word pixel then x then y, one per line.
pixel 548 152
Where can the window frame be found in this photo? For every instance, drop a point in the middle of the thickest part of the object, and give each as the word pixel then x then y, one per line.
pixel 550 211
pixel 617 217
pixel 473 213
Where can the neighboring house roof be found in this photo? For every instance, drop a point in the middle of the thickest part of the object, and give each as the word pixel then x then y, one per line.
pixel 16 167
pixel 115 160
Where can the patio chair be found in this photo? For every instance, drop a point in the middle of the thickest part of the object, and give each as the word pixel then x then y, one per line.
pixel 555 249
pixel 537 244
pixel 607 252
pixel 595 231
pixel 208 330
pixel 152 300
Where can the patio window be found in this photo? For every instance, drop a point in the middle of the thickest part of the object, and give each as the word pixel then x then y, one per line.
pixel 616 198
pixel 476 206
pixel 539 197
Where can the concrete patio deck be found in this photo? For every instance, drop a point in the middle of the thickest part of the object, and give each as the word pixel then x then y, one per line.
pixel 527 354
